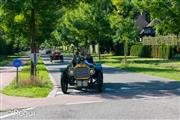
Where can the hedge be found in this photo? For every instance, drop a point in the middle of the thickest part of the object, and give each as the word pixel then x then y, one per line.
pixel 134 50
pixel 145 51
pixel 162 51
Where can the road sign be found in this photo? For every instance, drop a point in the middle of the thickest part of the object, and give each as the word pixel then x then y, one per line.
pixel 34 57
pixel 17 63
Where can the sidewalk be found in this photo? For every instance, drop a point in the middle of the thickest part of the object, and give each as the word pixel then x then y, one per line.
pixel 7 75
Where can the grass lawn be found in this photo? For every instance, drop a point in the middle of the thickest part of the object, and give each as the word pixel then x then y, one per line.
pixel 28 87
pixel 152 66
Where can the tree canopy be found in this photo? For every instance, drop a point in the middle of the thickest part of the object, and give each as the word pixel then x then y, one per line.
pixel 81 22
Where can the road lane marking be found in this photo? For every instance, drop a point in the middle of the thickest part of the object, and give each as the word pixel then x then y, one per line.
pixel 86 102
pixel 125 88
pixel 8 115
pixel 109 89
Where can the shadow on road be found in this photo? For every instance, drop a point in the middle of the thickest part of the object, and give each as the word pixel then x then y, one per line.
pixel 141 89
pixel 57 63
pixel 136 90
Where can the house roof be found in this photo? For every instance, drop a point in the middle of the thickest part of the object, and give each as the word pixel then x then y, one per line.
pixel 141 21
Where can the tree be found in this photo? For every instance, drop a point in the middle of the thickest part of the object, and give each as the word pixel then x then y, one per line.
pixel 36 17
pixel 123 22
pixel 166 11
pixel 84 24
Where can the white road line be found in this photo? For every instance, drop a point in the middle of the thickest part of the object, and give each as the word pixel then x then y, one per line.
pixel 109 89
pixel 86 102
pixel 125 88
pixel 31 108
pixel 15 113
pixel 8 115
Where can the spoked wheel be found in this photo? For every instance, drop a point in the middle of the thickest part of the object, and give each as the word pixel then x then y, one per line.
pixel 64 83
pixel 100 81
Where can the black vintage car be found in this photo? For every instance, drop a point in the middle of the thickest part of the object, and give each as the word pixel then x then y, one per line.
pixel 82 75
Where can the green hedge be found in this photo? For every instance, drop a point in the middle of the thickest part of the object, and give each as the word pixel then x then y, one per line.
pixel 162 51
pixel 134 50
pixel 140 50
pixel 145 51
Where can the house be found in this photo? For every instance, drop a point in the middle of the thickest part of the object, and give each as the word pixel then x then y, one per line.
pixel 146 29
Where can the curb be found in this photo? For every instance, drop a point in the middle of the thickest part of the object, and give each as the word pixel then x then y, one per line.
pixel 55 88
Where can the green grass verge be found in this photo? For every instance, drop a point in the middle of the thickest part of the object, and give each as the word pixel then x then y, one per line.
pixel 151 66
pixel 28 87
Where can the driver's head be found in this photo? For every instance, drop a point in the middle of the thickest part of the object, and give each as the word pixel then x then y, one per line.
pixel 77 53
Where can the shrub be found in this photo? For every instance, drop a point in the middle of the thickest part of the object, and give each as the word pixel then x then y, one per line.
pixel 155 51
pixel 145 51
pixel 167 52
pixel 134 50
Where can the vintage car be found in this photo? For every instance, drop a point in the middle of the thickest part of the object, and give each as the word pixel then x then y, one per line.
pixel 56 56
pixel 82 76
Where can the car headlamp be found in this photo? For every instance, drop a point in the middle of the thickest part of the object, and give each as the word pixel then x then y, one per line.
pixel 71 72
pixel 91 71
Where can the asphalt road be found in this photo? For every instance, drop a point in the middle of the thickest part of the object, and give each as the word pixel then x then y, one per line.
pixel 126 95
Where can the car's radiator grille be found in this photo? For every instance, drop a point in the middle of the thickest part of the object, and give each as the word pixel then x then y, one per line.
pixel 81 73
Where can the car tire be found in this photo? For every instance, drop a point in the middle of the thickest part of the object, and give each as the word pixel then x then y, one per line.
pixel 100 81
pixel 51 59
pixel 64 83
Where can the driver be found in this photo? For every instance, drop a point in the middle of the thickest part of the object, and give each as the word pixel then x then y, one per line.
pixel 76 58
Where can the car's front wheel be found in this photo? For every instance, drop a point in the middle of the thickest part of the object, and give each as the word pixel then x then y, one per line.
pixel 100 81
pixel 64 83
pixel 51 59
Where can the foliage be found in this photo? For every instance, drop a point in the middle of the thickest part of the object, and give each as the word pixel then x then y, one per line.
pixel 162 51
pixel 134 50
pixel 82 22
pixel 145 51
pixel 166 11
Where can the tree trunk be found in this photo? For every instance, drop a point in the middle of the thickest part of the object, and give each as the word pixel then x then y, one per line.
pixel 125 52
pixel 99 53
pixel 33 43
